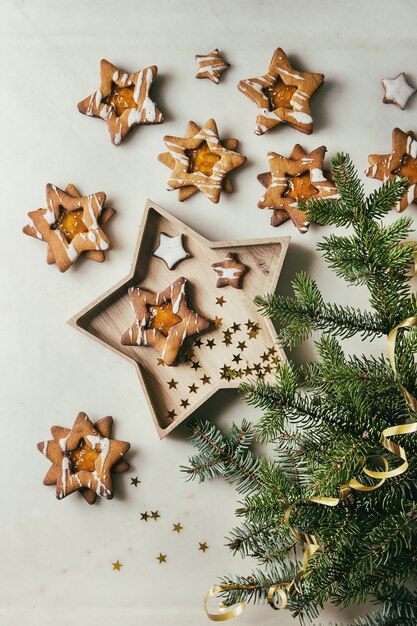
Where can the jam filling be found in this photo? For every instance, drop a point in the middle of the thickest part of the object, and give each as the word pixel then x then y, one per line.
pixel 121 98
pixel 279 95
pixel 70 223
pixel 163 318
pixel 300 187
pixel 202 159
pixel 83 458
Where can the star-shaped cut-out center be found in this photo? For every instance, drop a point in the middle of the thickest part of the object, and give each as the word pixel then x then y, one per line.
pixel 282 95
pixel 83 458
pixel 200 161
pixel 122 100
pixel 162 320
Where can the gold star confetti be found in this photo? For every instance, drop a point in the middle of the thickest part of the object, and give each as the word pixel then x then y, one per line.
pixel 161 362
pixel 256 367
pixel 188 355
pixel 267 369
pixel 248 371
pixel 241 345
pixel 117 565
pixel 198 343
pixel 205 379
pixel 162 558
pixel 196 365
pixel 172 384
pixel 154 515
pixel 253 332
pixel 177 528
pixel 144 516
pixel 237 358
pixel 272 351
pixel 171 414
pixel 192 388
pixel 217 321
pixel 235 327
pixel 249 324
pixel 265 356
pixel 220 301
pixel 184 403
pixel 135 481
pixel 239 373
pixel 210 344
pixel 227 337
pixel 203 546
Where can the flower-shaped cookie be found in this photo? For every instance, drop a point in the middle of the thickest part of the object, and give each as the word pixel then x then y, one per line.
pixel 200 161
pixel 282 95
pixel 293 180
pixel 83 458
pixel 401 162
pixel 163 320
pixel 122 100
pixel 70 225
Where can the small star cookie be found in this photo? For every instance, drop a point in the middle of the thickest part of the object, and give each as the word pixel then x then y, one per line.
pixel 211 66
pixel 200 161
pixel 229 271
pixel 397 91
pixel 293 180
pixel 83 458
pixel 401 162
pixel 163 320
pixel 123 100
pixel 282 95
pixel 171 250
pixel 71 224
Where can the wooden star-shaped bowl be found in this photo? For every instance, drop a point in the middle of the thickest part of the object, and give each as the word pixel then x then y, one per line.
pixel 239 343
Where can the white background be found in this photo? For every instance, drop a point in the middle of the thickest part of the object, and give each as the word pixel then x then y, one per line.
pixel 56 557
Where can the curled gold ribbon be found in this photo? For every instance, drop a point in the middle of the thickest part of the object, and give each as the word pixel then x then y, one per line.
pixel 278 593
pixel 225 611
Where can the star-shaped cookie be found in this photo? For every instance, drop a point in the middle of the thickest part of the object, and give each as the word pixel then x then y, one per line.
pixel 200 161
pixel 282 95
pixel 293 180
pixel 94 255
pixel 211 66
pixel 401 162
pixel 171 250
pixel 83 458
pixel 123 100
pixel 163 320
pixel 229 271
pixel 70 225
pixel 397 90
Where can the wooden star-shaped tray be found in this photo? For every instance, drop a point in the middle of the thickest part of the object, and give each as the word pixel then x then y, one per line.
pixel 239 344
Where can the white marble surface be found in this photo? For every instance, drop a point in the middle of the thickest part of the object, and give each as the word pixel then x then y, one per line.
pixel 56 556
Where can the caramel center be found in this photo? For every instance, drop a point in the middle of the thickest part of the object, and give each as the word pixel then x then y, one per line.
pixel 279 95
pixel 70 223
pixel 163 318
pixel 408 168
pixel 83 458
pixel 300 187
pixel 202 159
pixel 121 98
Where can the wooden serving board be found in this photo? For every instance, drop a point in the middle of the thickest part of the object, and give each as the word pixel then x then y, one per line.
pixel 208 361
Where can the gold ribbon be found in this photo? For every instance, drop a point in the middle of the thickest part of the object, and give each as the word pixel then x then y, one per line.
pixel 280 591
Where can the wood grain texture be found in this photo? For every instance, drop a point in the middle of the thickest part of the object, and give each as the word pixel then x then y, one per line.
pixel 107 317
